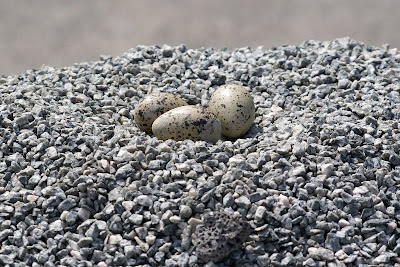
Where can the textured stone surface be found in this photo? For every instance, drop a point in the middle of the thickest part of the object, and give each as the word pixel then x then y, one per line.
pixel 218 235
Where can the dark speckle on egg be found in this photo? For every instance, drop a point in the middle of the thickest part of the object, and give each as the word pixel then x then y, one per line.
pixel 200 122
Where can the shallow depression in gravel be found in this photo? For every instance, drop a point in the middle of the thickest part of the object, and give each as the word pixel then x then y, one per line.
pixel 317 175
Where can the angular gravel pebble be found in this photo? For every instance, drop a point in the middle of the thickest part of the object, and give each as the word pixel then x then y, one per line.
pixel 317 175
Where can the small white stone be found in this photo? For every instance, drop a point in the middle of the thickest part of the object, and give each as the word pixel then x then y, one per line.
pixel 105 164
pixel 165 148
pixel 125 155
pixel 193 222
pixel 260 213
pixel 299 171
pixel 52 152
pixel 284 200
pixel 28 171
pixel 129 251
pixel 393 51
pixel 165 248
pixel 128 205
pixel 340 254
pixel 131 148
pixel 192 193
pixel 192 174
pixel 343 223
pixel 63 215
pixel 321 253
pixel 167 214
pixel 143 245
pixel 297 130
pixel 150 239
pixel 32 198
pixel 56 226
pixel 276 108
pixel 327 169
pixel 136 219
pixel 175 219
pixel 243 201
pixel 360 190
pixel 381 259
pixel 114 239
pixel 183 167
pixel 76 254
pixel 133 186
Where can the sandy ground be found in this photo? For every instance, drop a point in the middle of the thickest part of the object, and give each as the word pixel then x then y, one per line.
pixel 60 33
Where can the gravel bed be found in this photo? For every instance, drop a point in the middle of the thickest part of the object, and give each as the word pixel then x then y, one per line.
pixel 317 176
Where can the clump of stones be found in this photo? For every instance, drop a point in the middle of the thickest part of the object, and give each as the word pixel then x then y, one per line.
pixel 316 176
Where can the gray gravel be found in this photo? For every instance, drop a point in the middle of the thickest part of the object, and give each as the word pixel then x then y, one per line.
pixel 317 176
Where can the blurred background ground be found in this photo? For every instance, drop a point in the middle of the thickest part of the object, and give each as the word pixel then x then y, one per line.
pixel 60 33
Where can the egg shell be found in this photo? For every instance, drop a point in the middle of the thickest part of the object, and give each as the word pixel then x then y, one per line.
pixel 152 106
pixel 188 122
pixel 234 107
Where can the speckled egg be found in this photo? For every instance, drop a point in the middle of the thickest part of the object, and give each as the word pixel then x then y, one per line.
pixel 234 107
pixel 188 122
pixel 152 106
